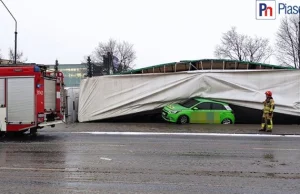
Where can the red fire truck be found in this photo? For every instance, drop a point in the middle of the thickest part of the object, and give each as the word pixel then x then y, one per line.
pixel 31 97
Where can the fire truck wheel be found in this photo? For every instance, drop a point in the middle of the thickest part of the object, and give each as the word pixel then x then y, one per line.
pixel 2 133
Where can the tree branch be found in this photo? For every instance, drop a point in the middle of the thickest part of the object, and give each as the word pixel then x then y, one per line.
pixel 242 47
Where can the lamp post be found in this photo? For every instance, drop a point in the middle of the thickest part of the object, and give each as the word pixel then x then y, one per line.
pixel 15 31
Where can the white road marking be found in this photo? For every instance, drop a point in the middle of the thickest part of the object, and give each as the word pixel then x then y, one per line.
pixel 276 149
pixel 38 169
pixel 105 159
pixel 186 134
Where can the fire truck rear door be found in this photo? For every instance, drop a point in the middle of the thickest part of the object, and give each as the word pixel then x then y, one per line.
pixel 2 108
pixel 50 94
pixel 20 100
pixel 2 92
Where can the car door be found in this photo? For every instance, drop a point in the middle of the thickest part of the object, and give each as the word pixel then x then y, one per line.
pixel 201 113
pixel 218 112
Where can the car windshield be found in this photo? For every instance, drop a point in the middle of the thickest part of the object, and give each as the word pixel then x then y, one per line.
pixel 189 103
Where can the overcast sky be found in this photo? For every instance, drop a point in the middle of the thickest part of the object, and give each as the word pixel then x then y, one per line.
pixel 161 30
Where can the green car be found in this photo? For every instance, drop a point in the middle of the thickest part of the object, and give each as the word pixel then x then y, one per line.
pixel 199 110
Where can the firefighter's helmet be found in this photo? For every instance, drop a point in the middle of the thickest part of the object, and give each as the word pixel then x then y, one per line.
pixel 268 93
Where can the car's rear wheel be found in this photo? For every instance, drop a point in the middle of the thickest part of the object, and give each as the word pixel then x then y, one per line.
pixel 183 119
pixel 226 121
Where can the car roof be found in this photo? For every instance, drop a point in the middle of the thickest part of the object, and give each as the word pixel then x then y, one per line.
pixel 208 100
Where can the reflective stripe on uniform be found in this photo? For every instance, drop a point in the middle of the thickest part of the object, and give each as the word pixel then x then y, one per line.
pixel 269 106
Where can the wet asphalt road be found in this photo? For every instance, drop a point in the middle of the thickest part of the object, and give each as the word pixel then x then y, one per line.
pixel 66 162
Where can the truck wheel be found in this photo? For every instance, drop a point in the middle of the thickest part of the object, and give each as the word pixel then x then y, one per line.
pixel 183 119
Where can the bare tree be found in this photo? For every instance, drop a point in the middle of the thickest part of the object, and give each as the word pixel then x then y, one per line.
pixel 20 54
pixel 126 55
pixel 287 41
pixel 243 47
pixel 231 45
pixel 257 49
pixel 122 51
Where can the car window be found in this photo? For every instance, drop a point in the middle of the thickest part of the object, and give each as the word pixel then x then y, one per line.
pixel 204 106
pixel 189 103
pixel 216 106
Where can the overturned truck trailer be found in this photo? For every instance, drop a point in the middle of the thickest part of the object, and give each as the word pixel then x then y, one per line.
pixel 118 95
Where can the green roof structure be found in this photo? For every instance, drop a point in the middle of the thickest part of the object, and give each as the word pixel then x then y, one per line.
pixel 204 64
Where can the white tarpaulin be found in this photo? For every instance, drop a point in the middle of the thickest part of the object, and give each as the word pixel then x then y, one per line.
pixel 111 96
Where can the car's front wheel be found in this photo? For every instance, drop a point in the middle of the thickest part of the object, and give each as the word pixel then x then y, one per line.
pixel 183 119
pixel 226 121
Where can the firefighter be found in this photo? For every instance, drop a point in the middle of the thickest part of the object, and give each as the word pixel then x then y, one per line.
pixel 267 117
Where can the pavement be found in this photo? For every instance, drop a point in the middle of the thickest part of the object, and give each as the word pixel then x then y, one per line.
pixel 174 128
pixel 95 158
pixel 74 162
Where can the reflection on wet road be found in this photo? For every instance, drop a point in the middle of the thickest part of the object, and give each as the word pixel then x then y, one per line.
pixel 56 162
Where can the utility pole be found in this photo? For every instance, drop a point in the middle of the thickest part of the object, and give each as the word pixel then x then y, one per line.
pixel 89 73
pixel 15 32
pixel 109 56
pixel 56 66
